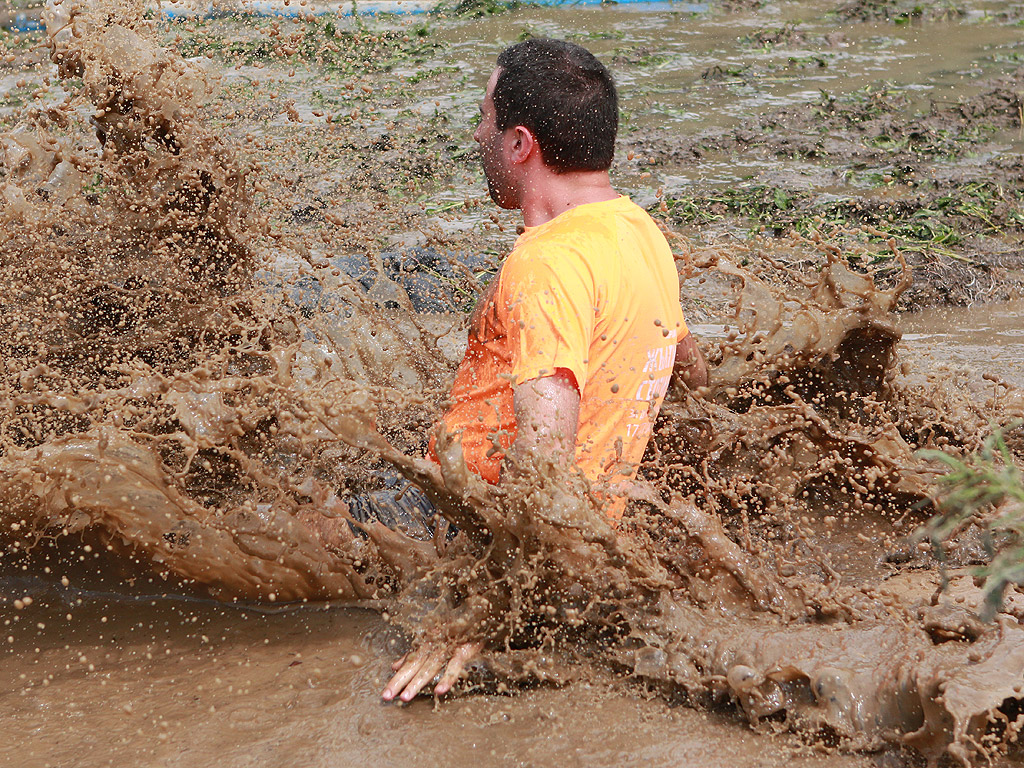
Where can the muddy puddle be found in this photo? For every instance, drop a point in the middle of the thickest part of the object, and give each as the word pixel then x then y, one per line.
pixel 177 683
pixel 987 338
pixel 238 256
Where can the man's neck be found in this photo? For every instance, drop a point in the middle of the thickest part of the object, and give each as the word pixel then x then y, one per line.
pixel 552 194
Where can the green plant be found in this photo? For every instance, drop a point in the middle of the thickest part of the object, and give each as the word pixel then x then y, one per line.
pixel 985 487
pixel 318 43
pixel 475 9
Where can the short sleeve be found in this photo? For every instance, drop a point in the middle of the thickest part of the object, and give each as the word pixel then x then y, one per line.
pixel 550 302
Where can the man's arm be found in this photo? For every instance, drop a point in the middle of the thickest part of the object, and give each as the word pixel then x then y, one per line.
pixel 547 415
pixel 690 368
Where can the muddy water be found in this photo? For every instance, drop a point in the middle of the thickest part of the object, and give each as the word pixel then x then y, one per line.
pixel 211 415
pixel 987 338
pixel 692 73
pixel 172 683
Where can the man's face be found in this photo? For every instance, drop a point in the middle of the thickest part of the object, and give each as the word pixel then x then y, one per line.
pixel 492 151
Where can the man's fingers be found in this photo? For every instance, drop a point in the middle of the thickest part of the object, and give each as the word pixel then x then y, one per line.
pixel 418 669
pixel 457 663
pixel 430 667
pixel 408 670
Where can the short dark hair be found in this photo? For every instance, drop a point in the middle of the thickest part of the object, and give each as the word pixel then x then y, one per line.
pixel 565 97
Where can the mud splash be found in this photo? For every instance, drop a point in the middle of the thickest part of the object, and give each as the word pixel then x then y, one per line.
pixel 165 396
pixel 152 385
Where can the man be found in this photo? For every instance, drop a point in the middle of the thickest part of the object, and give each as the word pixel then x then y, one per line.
pixel 573 346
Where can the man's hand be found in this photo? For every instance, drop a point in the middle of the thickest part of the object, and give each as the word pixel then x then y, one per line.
pixel 419 667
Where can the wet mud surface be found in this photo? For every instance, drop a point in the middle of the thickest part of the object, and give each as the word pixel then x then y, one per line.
pixel 238 256
pixel 195 682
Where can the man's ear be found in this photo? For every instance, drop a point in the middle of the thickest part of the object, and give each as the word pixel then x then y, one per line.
pixel 523 144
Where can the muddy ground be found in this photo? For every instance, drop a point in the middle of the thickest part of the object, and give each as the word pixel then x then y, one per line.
pixel 810 107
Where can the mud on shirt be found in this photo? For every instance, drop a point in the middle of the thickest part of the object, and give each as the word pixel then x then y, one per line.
pixel 593 292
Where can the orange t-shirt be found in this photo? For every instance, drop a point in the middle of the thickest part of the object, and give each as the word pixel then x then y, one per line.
pixel 595 292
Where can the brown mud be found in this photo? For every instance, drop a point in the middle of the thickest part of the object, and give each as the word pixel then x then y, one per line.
pixel 926 205
pixel 209 340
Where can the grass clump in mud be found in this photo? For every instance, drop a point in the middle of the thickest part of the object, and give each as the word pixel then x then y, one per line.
pixel 869 114
pixel 767 39
pixel 477 9
pixel 316 42
pixel 865 103
pixel 900 11
pixel 925 223
pixel 640 56
pixel 985 488
pixel 877 124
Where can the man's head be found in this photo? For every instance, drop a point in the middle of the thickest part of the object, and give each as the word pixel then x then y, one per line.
pixel 563 96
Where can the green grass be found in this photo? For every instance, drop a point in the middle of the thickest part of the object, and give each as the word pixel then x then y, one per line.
pixel 475 9
pixel 613 34
pixel 813 61
pixel 986 488
pixel 935 227
pixel 317 43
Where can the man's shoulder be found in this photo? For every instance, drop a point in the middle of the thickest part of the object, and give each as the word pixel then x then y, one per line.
pixel 560 256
